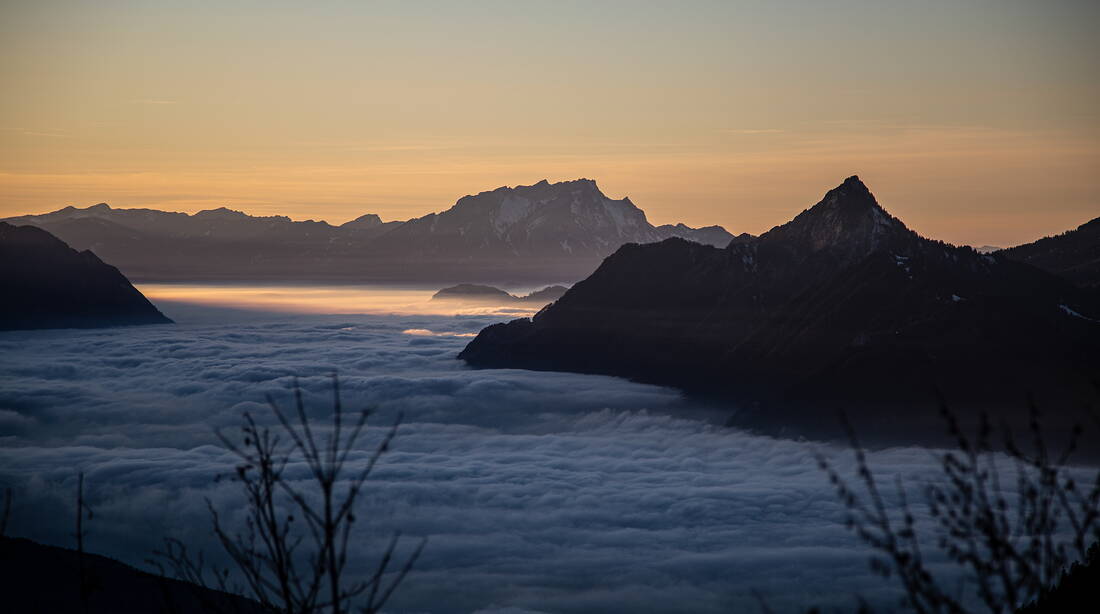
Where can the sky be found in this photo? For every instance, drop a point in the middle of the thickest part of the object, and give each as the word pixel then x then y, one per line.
pixel 974 122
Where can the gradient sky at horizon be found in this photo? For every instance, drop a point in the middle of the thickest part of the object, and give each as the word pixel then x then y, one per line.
pixel 974 122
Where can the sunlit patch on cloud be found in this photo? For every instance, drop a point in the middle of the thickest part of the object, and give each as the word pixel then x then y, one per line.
pixel 423 332
pixel 317 299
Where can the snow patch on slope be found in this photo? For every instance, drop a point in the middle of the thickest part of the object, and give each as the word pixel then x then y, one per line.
pixel 619 216
pixel 1071 312
pixel 513 209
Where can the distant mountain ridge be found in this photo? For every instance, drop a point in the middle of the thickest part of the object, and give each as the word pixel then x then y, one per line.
pixel 843 304
pixel 47 284
pixel 538 232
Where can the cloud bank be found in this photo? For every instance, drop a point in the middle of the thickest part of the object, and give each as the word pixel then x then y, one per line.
pixel 538 492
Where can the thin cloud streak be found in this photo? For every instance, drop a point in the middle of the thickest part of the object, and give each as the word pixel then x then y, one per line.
pixel 754 131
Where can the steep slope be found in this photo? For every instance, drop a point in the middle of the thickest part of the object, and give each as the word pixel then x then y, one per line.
pixel 842 304
pixel 533 233
pixel 1074 254
pixel 47 284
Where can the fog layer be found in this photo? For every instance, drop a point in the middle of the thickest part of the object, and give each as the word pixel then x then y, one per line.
pixel 537 491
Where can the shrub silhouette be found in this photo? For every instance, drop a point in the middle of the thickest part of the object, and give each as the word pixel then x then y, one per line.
pixel 1014 547
pixel 1076 588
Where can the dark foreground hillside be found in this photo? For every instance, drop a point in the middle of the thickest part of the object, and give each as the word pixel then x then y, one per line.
pixel 47 284
pixel 45 579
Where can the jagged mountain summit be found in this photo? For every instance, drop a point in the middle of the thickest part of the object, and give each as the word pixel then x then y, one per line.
pixel 844 303
pixel 537 232
pixel 846 225
pixel 571 217
pixel 47 284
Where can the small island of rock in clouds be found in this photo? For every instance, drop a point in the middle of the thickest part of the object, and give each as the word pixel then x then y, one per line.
pixel 550 308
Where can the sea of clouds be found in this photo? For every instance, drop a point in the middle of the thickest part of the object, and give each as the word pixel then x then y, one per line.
pixel 546 492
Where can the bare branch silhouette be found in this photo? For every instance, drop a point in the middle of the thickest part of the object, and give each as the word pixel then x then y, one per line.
pixel 292 551
pixel 1013 545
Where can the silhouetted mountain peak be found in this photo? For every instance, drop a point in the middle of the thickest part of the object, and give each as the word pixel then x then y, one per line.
pixel 97 208
pixel 564 213
pixel 48 284
pixel 370 220
pixel 584 188
pixel 842 304
pixel 221 213
pixel 848 220
pixel 25 237
pixel 854 184
pixel 850 203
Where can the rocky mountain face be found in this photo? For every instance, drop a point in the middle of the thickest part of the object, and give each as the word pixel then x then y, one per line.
pixel 841 305
pixel 571 218
pixel 1074 254
pixel 568 218
pixel 535 232
pixel 50 285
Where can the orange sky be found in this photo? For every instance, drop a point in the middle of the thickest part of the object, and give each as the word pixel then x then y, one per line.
pixel 974 122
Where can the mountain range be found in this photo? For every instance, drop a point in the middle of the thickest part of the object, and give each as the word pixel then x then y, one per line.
pixel 539 232
pixel 47 284
pixel 842 306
